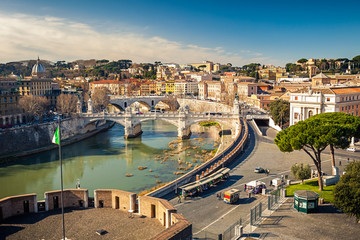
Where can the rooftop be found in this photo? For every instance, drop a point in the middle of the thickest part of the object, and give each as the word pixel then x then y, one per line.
pixel 81 224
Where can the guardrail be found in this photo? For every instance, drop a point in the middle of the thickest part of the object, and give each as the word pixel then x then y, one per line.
pixel 222 159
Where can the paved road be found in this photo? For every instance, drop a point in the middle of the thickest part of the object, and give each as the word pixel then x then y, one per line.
pixel 209 214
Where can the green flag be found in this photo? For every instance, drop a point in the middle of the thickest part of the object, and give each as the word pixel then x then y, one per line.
pixel 56 137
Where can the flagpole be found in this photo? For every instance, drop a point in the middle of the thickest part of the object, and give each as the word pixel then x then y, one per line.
pixel 61 174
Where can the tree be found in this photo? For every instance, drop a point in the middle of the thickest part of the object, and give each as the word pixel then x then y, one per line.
pixel 301 171
pixel 33 106
pixel 316 133
pixel 343 128
pixel 347 191
pixel 100 98
pixel 280 111
pixel 302 60
pixel 307 135
pixel 67 103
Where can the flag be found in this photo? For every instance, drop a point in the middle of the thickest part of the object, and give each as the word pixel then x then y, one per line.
pixel 56 137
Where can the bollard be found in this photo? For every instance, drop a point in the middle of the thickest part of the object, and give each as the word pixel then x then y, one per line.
pixel 202 173
pixel 211 168
pixel 207 170
pixel 197 177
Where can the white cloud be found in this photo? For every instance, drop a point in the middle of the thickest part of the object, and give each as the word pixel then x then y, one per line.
pixel 27 36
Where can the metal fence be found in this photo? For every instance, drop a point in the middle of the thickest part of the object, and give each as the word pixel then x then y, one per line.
pixel 232 231
pixel 274 197
pixel 255 213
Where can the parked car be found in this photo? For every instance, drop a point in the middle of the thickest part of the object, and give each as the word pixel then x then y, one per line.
pixel 351 149
pixel 259 170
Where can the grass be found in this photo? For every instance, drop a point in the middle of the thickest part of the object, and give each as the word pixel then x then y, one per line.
pixel 312 185
pixel 208 124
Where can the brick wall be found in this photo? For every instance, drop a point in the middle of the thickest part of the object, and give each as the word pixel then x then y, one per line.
pixel 17 205
pixel 72 198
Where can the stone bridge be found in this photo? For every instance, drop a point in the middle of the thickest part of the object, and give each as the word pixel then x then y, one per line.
pixel 122 102
pixel 183 119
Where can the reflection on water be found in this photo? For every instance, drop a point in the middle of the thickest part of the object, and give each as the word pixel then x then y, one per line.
pixel 103 161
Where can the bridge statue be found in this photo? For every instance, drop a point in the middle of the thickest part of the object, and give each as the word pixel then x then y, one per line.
pixel 90 106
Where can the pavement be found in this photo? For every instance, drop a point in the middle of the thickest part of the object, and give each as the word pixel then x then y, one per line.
pixel 288 224
pixel 211 216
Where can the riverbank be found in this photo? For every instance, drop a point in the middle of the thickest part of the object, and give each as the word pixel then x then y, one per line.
pixel 14 156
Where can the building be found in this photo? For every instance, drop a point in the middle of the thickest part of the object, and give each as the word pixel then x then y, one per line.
pixel 307 102
pixel 113 86
pixel 186 87
pixel 203 90
pixel 170 87
pixel 205 66
pixel 246 89
pixel 147 88
pixel 212 90
pixel 9 98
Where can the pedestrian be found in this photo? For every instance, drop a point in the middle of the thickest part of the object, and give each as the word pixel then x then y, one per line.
pixel 267 172
pixel 270 182
pixel 348 160
pixel 244 187
pixel 179 198
pixel 339 163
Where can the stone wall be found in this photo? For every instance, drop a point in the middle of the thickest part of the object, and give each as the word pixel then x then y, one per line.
pixel 14 140
pixel 204 106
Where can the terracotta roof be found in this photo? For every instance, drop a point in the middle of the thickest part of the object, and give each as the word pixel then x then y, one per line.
pixel 315 90
pixel 346 90
pixel 321 75
pixel 106 82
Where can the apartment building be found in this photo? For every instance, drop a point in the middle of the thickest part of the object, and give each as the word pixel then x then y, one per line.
pixel 185 87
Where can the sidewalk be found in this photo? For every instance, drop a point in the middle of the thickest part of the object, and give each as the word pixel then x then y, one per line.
pixel 286 223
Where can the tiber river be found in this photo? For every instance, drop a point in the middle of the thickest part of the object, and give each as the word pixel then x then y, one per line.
pixel 104 160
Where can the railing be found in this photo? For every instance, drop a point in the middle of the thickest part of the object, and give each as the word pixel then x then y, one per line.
pixel 223 158
pixel 255 214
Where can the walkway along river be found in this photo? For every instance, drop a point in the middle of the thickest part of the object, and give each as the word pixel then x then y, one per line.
pixel 102 161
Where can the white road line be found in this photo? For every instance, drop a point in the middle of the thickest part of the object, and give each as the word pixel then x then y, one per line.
pixel 217 219
pixel 240 204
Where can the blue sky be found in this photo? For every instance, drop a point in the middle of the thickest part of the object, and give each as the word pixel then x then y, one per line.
pixel 240 32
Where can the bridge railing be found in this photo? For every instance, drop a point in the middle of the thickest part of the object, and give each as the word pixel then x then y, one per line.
pixel 164 114
pixel 222 159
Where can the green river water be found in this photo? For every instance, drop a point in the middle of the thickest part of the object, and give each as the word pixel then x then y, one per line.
pixel 102 161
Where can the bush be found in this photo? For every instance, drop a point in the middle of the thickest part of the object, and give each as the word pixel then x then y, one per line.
pixel 301 171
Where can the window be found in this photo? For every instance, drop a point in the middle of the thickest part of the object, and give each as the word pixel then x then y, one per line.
pixel 328 99
pixel 296 98
pixel 296 115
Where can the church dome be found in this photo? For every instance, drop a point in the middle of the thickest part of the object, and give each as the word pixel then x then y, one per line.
pixel 38 69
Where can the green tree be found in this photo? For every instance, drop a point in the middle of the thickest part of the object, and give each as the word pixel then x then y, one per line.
pixel 308 136
pixel 301 171
pixel 347 191
pixel 316 133
pixel 280 111
pixel 302 60
pixel 342 128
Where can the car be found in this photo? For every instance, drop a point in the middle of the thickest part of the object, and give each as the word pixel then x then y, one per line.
pixel 259 170
pixel 351 149
pixel 139 113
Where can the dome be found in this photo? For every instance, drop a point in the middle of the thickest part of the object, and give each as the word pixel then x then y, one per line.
pixel 38 69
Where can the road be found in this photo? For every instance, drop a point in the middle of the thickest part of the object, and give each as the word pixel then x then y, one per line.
pixel 210 215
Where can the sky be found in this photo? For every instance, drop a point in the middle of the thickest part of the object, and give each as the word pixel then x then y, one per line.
pixel 238 32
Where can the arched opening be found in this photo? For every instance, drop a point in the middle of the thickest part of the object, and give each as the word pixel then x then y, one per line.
pixel 310 113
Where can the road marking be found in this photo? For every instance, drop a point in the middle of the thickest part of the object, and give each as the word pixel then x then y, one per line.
pixel 217 219
pixel 323 161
